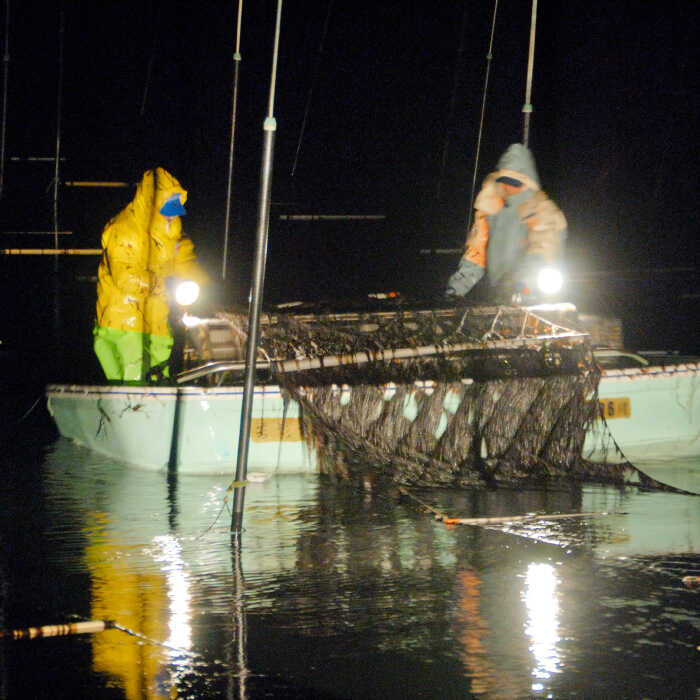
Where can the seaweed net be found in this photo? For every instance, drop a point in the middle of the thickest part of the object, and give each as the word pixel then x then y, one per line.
pixel 486 396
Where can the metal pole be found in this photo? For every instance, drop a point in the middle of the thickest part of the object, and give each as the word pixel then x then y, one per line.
pixel 307 107
pixel 453 98
pixel 234 109
pixel 527 107
pixel 6 70
pixel 255 305
pixel 489 58
pixel 59 98
pixel 59 354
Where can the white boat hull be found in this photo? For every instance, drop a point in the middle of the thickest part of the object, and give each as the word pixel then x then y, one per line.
pixel 192 429
pixel 652 413
pixel 660 416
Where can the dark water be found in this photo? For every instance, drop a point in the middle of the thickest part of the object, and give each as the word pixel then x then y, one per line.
pixel 338 593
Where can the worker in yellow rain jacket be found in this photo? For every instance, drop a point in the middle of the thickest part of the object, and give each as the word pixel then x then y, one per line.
pixel 517 237
pixel 143 247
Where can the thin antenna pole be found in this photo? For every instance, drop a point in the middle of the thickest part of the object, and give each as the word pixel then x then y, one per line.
pixel 489 57
pixel 234 109
pixel 527 107
pixel 307 107
pixel 59 100
pixel 151 59
pixel 255 306
pixel 6 71
pixel 453 96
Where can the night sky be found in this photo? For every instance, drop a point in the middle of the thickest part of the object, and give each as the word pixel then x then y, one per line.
pixel 393 94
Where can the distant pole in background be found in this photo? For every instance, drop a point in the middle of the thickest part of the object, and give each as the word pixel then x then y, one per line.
pixel 234 109
pixel 58 354
pixel 6 72
pixel 527 107
pixel 59 106
pixel 314 79
pixel 151 59
pixel 255 306
pixel 453 98
pixel 489 58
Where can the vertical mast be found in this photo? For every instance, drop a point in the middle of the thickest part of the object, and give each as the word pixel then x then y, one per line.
pixel 489 58
pixel 59 99
pixel 6 70
pixel 236 64
pixel 527 107
pixel 255 306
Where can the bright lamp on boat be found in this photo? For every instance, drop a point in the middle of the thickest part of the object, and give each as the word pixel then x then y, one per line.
pixel 186 293
pixel 190 321
pixel 550 280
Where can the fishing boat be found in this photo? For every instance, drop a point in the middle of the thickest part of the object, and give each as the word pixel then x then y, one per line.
pixel 648 405
pixel 437 395
pixel 193 426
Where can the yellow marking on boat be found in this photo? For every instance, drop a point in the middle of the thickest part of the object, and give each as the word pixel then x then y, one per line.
pixel 615 408
pixel 275 430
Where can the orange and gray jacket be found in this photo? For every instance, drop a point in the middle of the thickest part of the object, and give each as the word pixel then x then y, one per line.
pixel 517 229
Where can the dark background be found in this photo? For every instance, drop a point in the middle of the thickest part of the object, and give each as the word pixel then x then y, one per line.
pixel 393 97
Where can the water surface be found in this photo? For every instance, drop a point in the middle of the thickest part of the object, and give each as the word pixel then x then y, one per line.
pixel 335 592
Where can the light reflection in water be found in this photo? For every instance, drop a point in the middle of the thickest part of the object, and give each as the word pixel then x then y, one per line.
pixel 178 587
pixel 542 626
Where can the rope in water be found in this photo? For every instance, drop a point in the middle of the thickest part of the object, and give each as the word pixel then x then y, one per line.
pixel 490 520
pixel 645 481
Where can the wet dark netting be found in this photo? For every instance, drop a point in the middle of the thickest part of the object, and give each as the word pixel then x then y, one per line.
pixel 482 396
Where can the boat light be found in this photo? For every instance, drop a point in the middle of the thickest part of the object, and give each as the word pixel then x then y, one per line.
pixel 190 321
pixel 550 280
pixel 186 293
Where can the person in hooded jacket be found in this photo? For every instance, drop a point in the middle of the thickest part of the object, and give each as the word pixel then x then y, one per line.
pixel 143 247
pixel 518 231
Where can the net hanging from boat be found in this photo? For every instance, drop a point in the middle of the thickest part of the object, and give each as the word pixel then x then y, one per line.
pixel 486 395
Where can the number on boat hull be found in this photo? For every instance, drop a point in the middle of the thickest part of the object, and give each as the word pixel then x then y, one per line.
pixel 615 408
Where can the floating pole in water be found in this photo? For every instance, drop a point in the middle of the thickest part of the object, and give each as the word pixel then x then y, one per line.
pixel 84 627
pixel 64 630
pixel 255 304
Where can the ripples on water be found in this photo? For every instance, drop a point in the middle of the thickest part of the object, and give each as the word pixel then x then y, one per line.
pixel 339 593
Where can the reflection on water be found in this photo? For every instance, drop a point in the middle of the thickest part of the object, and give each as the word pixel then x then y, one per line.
pixel 540 598
pixel 177 586
pixel 332 592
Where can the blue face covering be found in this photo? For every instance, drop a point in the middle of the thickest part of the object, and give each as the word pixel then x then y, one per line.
pixel 173 207
pixel 509 181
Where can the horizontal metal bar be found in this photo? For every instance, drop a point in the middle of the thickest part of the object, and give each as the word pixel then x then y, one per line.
pixel 36 233
pixel 389 354
pixel 51 251
pixel 96 183
pixel 332 217
pixel 440 251
pixel 35 159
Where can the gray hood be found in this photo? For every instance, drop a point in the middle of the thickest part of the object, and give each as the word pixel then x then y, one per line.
pixel 518 160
